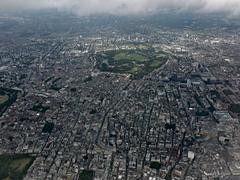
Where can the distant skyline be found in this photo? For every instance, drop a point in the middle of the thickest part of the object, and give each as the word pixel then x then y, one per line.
pixel 124 7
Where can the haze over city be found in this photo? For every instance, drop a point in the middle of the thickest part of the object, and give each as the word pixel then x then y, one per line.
pixel 123 7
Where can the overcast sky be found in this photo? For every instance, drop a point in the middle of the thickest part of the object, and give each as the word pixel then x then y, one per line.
pixel 86 7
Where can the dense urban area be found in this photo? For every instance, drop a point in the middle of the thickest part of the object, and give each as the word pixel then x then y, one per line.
pixel 119 98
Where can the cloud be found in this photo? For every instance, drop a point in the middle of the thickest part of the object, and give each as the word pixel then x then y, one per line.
pixel 87 7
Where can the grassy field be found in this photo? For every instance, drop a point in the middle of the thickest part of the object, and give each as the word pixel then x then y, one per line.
pixel 3 99
pixel 138 62
pixel 134 70
pixel 155 63
pixel 14 166
pixel 123 56
pixel 7 98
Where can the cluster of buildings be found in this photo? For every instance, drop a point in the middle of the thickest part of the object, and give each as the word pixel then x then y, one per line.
pixel 181 121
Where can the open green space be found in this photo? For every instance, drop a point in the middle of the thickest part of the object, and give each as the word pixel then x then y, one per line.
pixel 14 167
pixel 155 63
pixel 235 108
pixel 155 165
pixel 48 127
pixel 86 175
pixel 3 99
pixel 7 98
pixel 137 63
pixel 129 56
